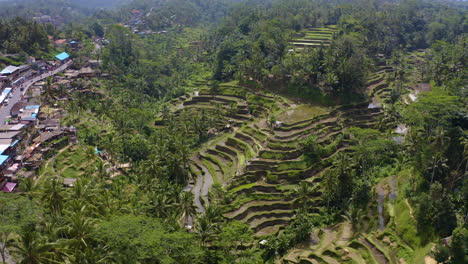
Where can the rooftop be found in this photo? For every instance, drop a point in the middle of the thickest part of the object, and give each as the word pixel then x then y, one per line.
pixel 9 187
pixel 9 70
pixel 9 135
pixel 62 56
pixel 3 158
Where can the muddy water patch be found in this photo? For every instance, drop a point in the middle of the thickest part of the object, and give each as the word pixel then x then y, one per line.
pixel 302 112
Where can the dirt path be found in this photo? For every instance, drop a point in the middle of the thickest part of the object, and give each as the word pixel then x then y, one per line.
pixel 410 208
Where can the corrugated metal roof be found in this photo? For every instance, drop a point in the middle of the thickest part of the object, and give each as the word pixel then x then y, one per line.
pixel 62 56
pixel 9 70
pixel 3 158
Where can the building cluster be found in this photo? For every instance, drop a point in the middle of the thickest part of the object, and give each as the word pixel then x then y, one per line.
pixel 74 45
pixel 45 19
pixel 138 25
pixel 28 134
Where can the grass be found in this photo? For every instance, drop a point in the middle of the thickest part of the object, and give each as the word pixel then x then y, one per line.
pixel 73 162
pixel 242 187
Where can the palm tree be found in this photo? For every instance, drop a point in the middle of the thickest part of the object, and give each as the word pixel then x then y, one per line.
pixel 204 229
pixel 28 186
pixel 213 214
pixel 353 215
pixel 101 169
pixel 33 249
pixel 186 207
pixel 438 167
pixel 53 196
pixel 78 230
pixel 5 238
pixel 303 193
pixel 440 140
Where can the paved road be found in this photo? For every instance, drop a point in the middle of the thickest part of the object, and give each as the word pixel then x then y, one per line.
pixel 17 94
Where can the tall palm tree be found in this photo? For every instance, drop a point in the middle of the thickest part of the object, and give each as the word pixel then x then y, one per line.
pixel 31 248
pixel 53 196
pixel 205 230
pixel 78 229
pixel 186 207
pixel 440 140
pixel 302 195
pixel 5 240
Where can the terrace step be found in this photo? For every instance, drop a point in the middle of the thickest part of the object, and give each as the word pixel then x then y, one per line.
pixel 242 211
pixel 269 230
pixel 268 214
pixel 266 222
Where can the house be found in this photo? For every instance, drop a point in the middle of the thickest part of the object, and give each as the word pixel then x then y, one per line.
pixel 60 42
pixel 25 70
pixel 9 187
pixel 15 110
pixel 10 72
pixel 44 19
pixel 48 136
pixel 86 73
pixel 5 161
pixel 49 125
pixel 71 74
pixel 29 113
pixel 63 57
pixel 11 128
pixel 74 44
pixel 30 60
pixel 11 135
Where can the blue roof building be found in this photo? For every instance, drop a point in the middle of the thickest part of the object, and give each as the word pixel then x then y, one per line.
pixel 63 56
pixel 3 159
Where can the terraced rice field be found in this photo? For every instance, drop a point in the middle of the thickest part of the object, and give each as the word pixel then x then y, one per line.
pixel 261 199
pixel 314 37
pixel 260 166
pixel 338 244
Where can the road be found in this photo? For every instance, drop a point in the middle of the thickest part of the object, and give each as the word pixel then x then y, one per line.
pixel 17 94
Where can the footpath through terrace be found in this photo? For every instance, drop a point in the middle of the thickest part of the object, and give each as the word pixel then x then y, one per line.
pixel 17 95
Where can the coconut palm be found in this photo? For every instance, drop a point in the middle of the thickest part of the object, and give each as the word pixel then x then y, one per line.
pixel 302 195
pixel 440 140
pixel 53 196
pixel 78 229
pixel 186 207
pixel 205 230
pixel 31 248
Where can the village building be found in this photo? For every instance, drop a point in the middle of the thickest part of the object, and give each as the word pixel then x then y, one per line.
pixel 63 57
pixel 43 19
pixel 15 110
pixel 86 73
pixel 10 73
pixel 9 187
pixel 75 45
pixel 29 113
